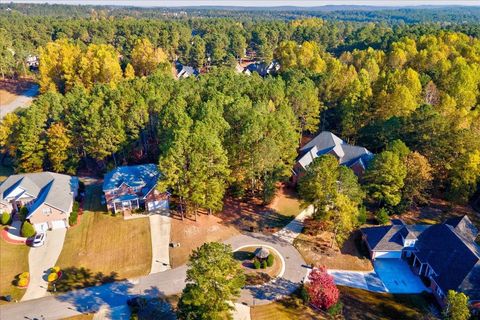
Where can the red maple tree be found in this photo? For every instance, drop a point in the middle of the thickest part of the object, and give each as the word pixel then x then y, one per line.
pixel 321 288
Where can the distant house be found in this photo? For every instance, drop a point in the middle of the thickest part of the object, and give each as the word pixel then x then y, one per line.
pixel 133 187
pixel 354 157
pixel 262 68
pixel 444 255
pixel 48 197
pixel 32 62
pixel 185 71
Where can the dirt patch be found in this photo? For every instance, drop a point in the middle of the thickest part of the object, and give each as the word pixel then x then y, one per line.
pixel 320 249
pixel 286 202
pixel 10 89
pixel 191 234
pixel 252 215
pixel 437 211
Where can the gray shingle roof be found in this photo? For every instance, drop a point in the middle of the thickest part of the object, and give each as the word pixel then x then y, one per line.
pixel 448 248
pixel 327 142
pixel 51 188
pixel 145 176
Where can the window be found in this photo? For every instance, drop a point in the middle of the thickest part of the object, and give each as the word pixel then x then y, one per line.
pixel 47 211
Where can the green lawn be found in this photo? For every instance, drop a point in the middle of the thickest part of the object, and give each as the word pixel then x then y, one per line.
pixel 13 261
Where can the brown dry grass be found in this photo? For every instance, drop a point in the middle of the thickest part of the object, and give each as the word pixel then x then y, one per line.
pixel 10 89
pixel 318 250
pixel 286 202
pixel 285 309
pixel 192 234
pixel 81 317
pixel 103 243
pixel 13 261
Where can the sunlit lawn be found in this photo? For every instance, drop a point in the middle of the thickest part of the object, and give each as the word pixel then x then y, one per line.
pixel 106 244
pixel 13 261
pixel 284 310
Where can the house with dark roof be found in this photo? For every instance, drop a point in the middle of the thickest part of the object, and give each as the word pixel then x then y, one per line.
pixel 130 188
pixel 444 255
pixel 354 157
pixel 48 197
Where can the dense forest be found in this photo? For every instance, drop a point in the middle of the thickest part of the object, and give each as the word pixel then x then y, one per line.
pixel 408 92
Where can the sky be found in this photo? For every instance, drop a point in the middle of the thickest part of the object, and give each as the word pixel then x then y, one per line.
pixel 257 3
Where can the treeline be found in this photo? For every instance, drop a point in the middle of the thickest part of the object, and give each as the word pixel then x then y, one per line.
pixel 447 14
pixel 196 42
pixel 226 130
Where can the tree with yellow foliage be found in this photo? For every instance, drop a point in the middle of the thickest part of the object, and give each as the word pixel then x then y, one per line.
pixel 100 64
pixel 146 58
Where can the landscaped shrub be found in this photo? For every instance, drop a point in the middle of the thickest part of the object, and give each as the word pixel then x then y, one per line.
pixel 22 282
pixel 304 294
pixel 24 275
pixel 28 230
pixel 382 216
pixel 55 269
pixel 336 309
pixel 5 218
pixel 270 260
pixel 256 264
pixel 264 264
pixel 23 213
pixel 52 277
pixel 72 220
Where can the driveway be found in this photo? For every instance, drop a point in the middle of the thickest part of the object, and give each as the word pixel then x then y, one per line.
pixel 160 226
pixel 295 227
pixel 40 260
pixel 22 101
pixel 398 277
pixel 358 279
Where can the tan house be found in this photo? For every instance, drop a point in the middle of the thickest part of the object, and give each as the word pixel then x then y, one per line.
pixel 47 196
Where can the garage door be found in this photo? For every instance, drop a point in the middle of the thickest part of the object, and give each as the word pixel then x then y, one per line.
pixel 388 254
pixel 58 224
pixel 157 205
pixel 41 227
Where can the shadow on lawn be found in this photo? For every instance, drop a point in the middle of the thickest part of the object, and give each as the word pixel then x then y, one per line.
pixel 273 290
pixel 252 216
pixel 78 278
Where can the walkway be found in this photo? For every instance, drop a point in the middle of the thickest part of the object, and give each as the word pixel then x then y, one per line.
pixel 22 101
pixel 40 260
pixel 12 233
pixel 160 226
pixel 295 227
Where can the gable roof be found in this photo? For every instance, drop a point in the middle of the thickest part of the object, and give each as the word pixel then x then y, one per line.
pixel 51 188
pixel 327 142
pixel 145 176
pixel 448 248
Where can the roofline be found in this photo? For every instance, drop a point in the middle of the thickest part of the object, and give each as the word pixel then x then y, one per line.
pixel 33 212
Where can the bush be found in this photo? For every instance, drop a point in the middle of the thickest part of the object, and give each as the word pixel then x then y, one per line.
pixel 382 216
pixel 336 309
pixel 52 277
pixel 81 186
pixel 28 230
pixel 24 275
pixel 304 294
pixel 270 260
pixel 72 220
pixel 264 264
pixel 22 282
pixel 55 269
pixel 256 264
pixel 5 218
pixel 23 213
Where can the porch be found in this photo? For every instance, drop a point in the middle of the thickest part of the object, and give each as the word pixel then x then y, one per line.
pixel 126 203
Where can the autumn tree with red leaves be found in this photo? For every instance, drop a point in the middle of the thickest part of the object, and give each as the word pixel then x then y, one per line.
pixel 321 289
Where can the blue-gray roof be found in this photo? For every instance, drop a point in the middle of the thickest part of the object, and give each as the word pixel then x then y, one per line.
pixel 145 176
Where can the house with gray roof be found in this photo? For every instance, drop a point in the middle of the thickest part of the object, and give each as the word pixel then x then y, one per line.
pixel 354 157
pixel 48 197
pixel 129 188
pixel 444 255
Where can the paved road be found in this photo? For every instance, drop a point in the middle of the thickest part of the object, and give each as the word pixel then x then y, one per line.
pixel 166 283
pixel 22 101
pixel 160 226
pixel 40 260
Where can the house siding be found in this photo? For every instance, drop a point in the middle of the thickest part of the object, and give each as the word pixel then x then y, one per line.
pixel 39 217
